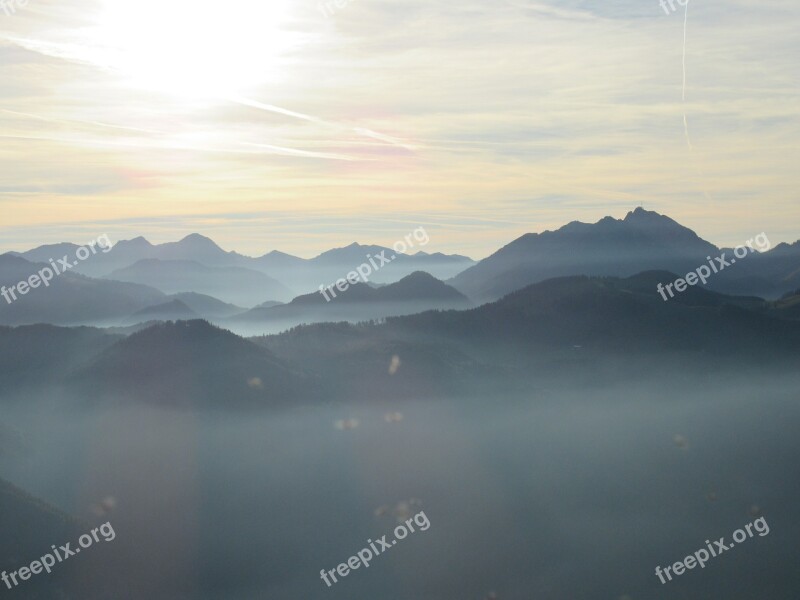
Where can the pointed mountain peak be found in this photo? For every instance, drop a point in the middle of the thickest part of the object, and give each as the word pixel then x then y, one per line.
pixel 640 214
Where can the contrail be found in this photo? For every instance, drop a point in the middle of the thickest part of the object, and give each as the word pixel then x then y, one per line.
pixel 282 150
pixel 78 122
pixel 296 152
pixel 683 94
pixel 683 100
pixel 167 145
pixel 312 119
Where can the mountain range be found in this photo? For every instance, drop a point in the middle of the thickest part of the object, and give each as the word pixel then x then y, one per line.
pixel 572 325
pixel 416 292
pixel 143 262
pixel 137 281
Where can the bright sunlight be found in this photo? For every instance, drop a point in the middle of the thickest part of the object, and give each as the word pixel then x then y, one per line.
pixel 193 48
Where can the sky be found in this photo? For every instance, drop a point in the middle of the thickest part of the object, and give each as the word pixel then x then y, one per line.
pixel 286 124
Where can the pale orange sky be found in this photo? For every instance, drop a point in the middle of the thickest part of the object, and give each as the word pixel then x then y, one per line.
pixel 271 125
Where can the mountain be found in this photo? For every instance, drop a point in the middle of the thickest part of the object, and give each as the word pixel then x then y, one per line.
pixel 128 252
pixel 193 363
pixel 230 284
pixel 168 311
pixel 417 286
pixel 368 362
pixel 30 526
pixel 643 240
pixel 279 262
pixel 572 327
pixel 578 329
pixel 298 274
pixel 70 298
pixel 414 293
pixel 42 254
pixel 420 286
pixel 618 316
pixel 776 272
pixel 207 307
pixel 43 354
pixel 305 275
pixel 268 304
pixel 339 261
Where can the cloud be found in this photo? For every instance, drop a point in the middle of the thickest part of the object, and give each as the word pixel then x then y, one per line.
pixel 511 116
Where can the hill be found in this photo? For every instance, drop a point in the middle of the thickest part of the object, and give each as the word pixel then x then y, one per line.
pixel 416 292
pixel 192 363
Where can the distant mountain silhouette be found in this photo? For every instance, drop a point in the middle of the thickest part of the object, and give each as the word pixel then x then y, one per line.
pixel 617 315
pixel 168 311
pixel 420 286
pixel 278 261
pixel 207 307
pixel 299 274
pixel 70 298
pixel 193 247
pixel 414 293
pixel 417 286
pixel 306 275
pixel 230 284
pixel 643 240
pixel 194 363
pixel 770 274
pixel 268 304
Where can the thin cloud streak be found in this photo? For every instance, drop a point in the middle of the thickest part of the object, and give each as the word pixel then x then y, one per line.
pixel 290 113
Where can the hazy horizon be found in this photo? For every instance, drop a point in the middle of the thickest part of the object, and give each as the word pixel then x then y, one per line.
pixel 429 248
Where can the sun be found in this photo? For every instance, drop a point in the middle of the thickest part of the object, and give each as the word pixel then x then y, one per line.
pixel 193 48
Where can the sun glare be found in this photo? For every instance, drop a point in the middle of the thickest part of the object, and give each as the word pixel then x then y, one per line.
pixel 194 48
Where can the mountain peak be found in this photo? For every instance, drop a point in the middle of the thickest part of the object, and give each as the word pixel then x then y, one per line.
pixel 139 241
pixel 196 239
pixel 640 214
pixel 420 277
